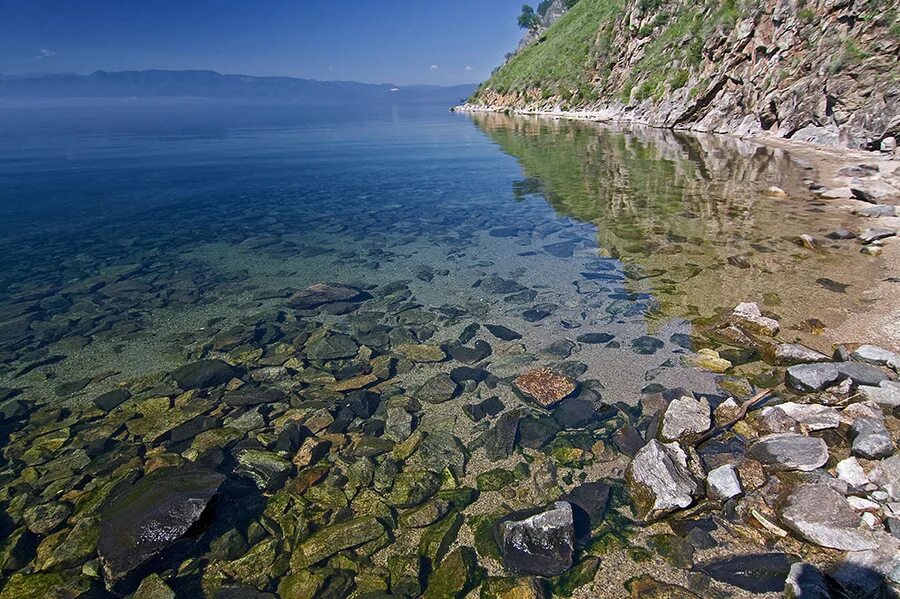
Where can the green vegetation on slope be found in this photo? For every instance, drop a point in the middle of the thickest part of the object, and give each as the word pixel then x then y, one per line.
pixel 559 60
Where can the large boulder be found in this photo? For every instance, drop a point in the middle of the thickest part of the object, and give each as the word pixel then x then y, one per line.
pixel 145 518
pixel 540 543
pixel 819 514
pixel 659 480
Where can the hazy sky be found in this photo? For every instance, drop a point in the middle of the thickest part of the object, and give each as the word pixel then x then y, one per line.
pixel 384 41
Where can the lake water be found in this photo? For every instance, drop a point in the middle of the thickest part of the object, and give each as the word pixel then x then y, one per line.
pixel 137 238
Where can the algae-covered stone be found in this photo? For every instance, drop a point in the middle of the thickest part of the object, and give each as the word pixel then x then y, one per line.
pixel 153 587
pixel 527 587
pixel 405 575
pixel 456 575
pixel 412 488
pixel 45 518
pixel 437 539
pixel 78 545
pixel 44 585
pixel 495 480
pixel 203 374
pixel 647 587
pixel 421 352
pixel 267 470
pixel 334 538
pixel 300 585
pixel 258 566
pixel 425 514
pixel 437 389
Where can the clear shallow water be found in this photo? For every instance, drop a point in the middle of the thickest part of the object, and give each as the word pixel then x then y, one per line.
pixel 135 239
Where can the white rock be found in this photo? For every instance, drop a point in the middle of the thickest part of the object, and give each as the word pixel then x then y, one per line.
pixel 685 416
pixel 852 473
pixel 887 393
pixel 814 417
pixel 861 504
pixel 749 315
pixel 660 481
pixel 723 483
pixel 871 520
pixel 873 355
pixel 821 515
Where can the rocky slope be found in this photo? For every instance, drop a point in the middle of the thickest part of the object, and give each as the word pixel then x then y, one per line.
pixel 825 71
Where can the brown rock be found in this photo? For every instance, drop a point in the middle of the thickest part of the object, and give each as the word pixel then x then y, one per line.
pixel 544 386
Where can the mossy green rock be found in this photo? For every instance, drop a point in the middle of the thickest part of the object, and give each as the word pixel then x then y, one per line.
pixel 44 585
pixel 512 588
pixel 259 565
pixel 334 538
pixel 425 514
pixel 267 470
pixel 581 574
pixel 437 539
pixel 457 574
pixel 495 480
pixel 153 587
pixel 77 547
pixel 300 585
pixel 413 488
pixel 405 575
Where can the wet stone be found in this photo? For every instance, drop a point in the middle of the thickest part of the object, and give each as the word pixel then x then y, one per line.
pixel 541 543
pixel 456 574
pixel 46 518
pixel 819 514
pixel 203 374
pixel 503 333
pixel 749 316
pixel 489 407
pixel 757 573
pixel 646 345
pixel 251 395
pixel 437 389
pixel 413 488
pixel 805 581
pixel 323 293
pixel 145 518
pixel 561 348
pixel 470 355
pixel 111 399
pixel 500 440
pixel 335 538
pixel 544 386
pixel 442 450
pixel 267 470
pixel 790 451
pixel 332 347
pixel 595 338
pixel 659 480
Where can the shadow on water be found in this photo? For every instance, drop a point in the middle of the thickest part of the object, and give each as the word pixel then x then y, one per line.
pixel 692 219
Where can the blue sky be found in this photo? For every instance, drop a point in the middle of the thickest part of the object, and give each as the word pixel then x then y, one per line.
pixel 396 41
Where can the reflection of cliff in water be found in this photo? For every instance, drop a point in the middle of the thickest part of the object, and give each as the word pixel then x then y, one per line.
pixel 691 216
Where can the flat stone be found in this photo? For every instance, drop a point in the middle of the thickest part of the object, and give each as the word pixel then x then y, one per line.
pixel 323 293
pixel 873 355
pixel 852 473
pixel 870 235
pixel 438 389
pixel 814 417
pixel 590 500
pixel 203 374
pixel 790 451
pixel 757 573
pixel 723 483
pixel 876 211
pixel 887 476
pixel 335 538
pixel 659 480
pixel 818 377
pixel 871 439
pixel 145 518
pixel 456 574
pixel 267 470
pixel 331 347
pixel 503 333
pixel 545 387
pixel 685 417
pixel 421 353
pixel 820 515
pixel 748 315
pixel 111 399
pixel 887 393
pixel 862 374
pixel 413 488
pixel 542 543
pixel 788 354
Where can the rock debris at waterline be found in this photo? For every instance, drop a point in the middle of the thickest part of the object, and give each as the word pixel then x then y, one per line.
pixel 323 461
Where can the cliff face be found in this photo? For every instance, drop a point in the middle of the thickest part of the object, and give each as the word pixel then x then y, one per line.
pixel 816 70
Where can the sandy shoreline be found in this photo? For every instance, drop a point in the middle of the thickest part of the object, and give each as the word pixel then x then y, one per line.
pixel 827 163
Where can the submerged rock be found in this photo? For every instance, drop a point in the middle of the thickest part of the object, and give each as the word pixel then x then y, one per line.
pixel 438 389
pixel 267 470
pixel 821 515
pixel 757 573
pixel 323 293
pixel 748 315
pixel 685 417
pixel 457 573
pixel 541 543
pixel 790 451
pixel 659 480
pixel 146 517
pixel 203 374
pixel 544 387
pixel 335 538
pixel 805 581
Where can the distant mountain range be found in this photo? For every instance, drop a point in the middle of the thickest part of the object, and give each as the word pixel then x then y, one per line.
pixel 209 84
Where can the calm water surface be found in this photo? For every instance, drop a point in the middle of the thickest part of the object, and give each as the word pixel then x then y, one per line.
pixel 138 238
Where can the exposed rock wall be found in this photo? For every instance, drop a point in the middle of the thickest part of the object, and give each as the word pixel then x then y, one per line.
pixel 824 71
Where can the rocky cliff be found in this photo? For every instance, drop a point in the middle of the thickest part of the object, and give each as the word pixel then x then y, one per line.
pixel 825 71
